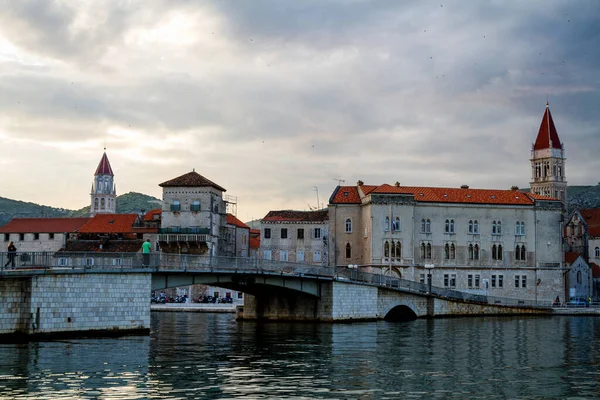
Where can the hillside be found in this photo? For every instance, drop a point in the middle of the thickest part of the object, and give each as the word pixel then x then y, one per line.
pixel 127 203
pixel 583 196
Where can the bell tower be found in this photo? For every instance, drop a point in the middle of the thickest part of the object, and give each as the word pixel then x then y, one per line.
pixel 548 162
pixel 104 191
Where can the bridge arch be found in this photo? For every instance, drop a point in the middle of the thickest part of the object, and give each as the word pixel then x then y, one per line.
pixel 400 313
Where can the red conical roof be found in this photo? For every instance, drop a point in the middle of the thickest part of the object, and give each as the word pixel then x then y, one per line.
pixel 104 167
pixel 547 136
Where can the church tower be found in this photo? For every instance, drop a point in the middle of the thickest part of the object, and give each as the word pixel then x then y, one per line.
pixel 548 161
pixel 104 191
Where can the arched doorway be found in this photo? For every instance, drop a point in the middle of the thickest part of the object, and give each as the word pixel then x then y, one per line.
pixel 400 313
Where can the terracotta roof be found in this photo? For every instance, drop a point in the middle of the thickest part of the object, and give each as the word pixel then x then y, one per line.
pixel 191 179
pixel 232 220
pixel 571 256
pixel 366 189
pixel 547 136
pixel 297 216
pixel 93 246
pixel 255 231
pixel 536 196
pixel 44 225
pixel 591 216
pixel 595 270
pixel 594 231
pixel 110 223
pixel 254 242
pixel 150 215
pixel 104 166
pixel 345 195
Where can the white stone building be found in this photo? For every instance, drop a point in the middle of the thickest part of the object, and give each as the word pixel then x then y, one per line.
pixel 579 276
pixel 104 190
pixel 40 234
pixel 296 236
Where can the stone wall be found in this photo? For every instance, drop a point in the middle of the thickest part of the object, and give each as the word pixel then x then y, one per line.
pixel 351 302
pixel 14 307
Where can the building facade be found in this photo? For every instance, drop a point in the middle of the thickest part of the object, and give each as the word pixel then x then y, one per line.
pixel 505 243
pixel 104 190
pixel 548 176
pixel 40 234
pixel 295 236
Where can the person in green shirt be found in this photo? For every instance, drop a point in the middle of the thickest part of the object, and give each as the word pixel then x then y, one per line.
pixel 146 248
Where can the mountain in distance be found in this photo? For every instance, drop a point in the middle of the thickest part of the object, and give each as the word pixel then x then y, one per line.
pixel 127 203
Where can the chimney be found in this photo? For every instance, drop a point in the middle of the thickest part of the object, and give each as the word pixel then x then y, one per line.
pixel 360 183
pixel 514 187
pixel 397 184
pixel 464 186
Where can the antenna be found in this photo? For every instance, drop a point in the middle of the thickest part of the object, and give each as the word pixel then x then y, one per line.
pixel 340 181
pixel 317 190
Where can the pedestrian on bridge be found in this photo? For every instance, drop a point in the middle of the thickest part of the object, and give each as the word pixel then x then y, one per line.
pixel 146 248
pixel 12 253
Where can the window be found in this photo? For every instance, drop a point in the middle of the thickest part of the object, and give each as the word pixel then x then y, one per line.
pixel 470 280
pixel 476 280
pixel 446 280
pixel 317 256
pixel 470 251
pixel 453 280
pixel 398 250
pixel 300 233
pixel 267 254
pixel 283 255
pixel 51 236
pixel 195 206
pixel 471 226
pixel 449 226
pixel 596 252
pixel 267 234
pixel 493 227
pixel 63 262
pixel 428 226
pixel 284 233
pixel 6 237
pixel 475 227
pixel 517 280
pixel 499 227
pixel 447 251
pixel 423 225
pixel 117 262
pixel 240 295
pixel 175 206
pixel 96 203
pixel 452 251
pixel 348 225
pixel 348 250
pixel 520 228
pixel 396 227
pixel 386 249
pixel 493 280
pixel 429 251
pixel 520 253
pixel 89 262
pixel 497 252
pixel 21 237
pixel 317 233
pixel 524 281
pixel 500 281
pixel 386 224
pixel 476 252
pixel 421 278
pixel 300 256
pixel 422 251
pixel 36 236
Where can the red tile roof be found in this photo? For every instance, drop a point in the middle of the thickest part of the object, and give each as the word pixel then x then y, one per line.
pixel 232 220
pixel 595 270
pixel 44 225
pixel 150 215
pixel 366 189
pixel 191 179
pixel 111 223
pixel 547 136
pixel 254 242
pixel 345 195
pixel 571 256
pixel 536 196
pixel 104 167
pixel 297 216
pixel 591 217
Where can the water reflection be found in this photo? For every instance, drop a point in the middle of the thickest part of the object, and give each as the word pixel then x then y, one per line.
pixel 212 356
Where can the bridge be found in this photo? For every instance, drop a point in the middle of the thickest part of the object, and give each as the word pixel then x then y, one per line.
pixel 74 292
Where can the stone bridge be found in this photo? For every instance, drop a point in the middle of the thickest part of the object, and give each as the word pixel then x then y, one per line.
pixel 77 292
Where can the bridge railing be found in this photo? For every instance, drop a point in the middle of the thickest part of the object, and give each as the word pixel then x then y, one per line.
pixel 353 275
pixel 156 261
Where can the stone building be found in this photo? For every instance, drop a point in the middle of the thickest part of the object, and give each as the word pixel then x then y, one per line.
pixel 239 239
pixel 104 190
pixel 40 234
pixel 505 243
pixel 548 176
pixel 582 233
pixel 297 236
pixel 579 276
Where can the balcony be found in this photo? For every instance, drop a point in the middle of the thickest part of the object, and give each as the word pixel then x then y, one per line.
pixel 183 234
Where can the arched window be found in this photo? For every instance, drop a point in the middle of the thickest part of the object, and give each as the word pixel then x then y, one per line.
pixel 451 226
pixel 398 250
pixel 579 280
pixel 447 227
pixel 470 251
pixel 476 252
pixel 428 226
pixel 102 204
pixel 475 226
pixel 523 253
pixel 386 224
pixel 393 250
pixel 422 225
pixel 522 228
pixel 494 228
pixel 176 205
pixel 422 251
pixel 499 252
pixel 447 251
pixel 494 252
pixel 348 250
pixel 386 249
pixel 499 228
pixel 429 251
pixel 452 251
pixel 518 253
pixel 597 252
pixel 96 203
pixel 195 207
pixel 348 225
pixel 471 226
pixel 396 226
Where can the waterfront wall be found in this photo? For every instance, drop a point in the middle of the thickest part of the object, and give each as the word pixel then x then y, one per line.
pixel 51 304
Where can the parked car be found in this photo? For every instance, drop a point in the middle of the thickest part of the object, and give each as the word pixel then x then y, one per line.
pixel 578 302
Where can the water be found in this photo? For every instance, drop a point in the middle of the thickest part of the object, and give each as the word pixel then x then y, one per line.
pixel 212 356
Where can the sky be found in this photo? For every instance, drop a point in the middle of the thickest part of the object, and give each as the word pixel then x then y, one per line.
pixel 273 99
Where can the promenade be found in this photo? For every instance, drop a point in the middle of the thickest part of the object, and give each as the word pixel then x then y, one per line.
pixel 194 307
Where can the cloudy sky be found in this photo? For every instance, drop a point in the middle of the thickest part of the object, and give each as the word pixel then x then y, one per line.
pixel 270 98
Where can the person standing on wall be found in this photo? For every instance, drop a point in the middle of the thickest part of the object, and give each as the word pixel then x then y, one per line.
pixel 12 253
pixel 146 248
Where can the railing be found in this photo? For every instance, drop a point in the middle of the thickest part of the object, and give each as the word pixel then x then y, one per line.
pixel 185 231
pixel 353 275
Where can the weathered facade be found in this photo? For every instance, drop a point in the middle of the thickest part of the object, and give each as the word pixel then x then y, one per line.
pixel 579 276
pixel 296 236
